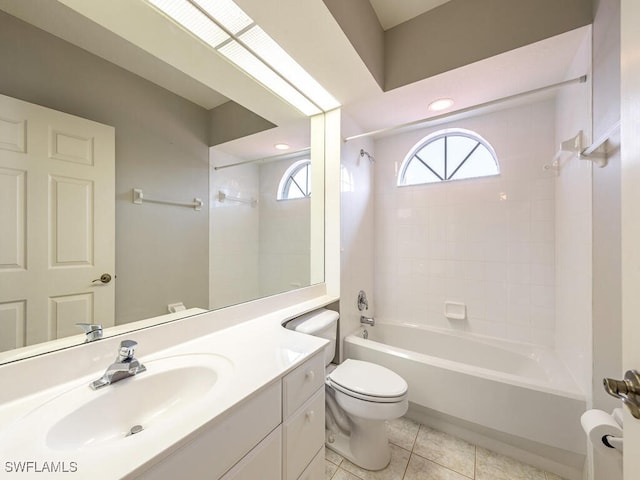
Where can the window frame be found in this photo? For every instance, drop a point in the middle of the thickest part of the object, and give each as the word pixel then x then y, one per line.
pixel 287 177
pixel 435 136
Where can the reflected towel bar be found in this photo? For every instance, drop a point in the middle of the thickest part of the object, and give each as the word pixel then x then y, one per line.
pixel 223 197
pixel 138 198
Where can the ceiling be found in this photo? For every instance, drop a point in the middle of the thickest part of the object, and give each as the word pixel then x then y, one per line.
pixel 395 12
pixel 528 68
pixel 208 80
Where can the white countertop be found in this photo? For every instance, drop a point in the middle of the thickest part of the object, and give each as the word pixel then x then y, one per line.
pixel 261 352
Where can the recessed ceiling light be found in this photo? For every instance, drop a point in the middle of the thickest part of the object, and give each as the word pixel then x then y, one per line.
pixel 440 104
pixel 281 146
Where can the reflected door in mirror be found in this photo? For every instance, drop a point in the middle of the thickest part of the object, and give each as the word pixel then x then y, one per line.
pixel 57 177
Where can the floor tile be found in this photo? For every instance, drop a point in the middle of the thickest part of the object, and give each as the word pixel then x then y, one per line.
pixel 422 469
pixel 329 469
pixel 332 456
pixel 344 475
pixel 403 432
pixel 436 456
pixel 493 466
pixel 394 471
pixel 446 450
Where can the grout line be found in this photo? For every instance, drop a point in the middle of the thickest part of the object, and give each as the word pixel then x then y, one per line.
pixel 404 474
pixel 440 464
pixel 475 461
pixel 445 466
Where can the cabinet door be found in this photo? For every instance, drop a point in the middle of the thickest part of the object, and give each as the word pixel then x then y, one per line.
pixel 224 442
pixel 263 462
pixel 315 470
pixel 303 436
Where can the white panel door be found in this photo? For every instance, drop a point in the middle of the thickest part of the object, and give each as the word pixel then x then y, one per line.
pixel 57 222
pixel 630 153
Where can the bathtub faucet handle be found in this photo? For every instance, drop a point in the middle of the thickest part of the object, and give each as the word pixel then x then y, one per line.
pixel 367 320
pixel 363 303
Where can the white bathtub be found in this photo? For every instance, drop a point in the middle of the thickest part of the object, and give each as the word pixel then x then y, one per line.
pixel 507 387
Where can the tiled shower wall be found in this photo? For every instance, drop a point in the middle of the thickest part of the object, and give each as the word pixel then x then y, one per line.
pixel 575 231
pixel 259 250
pixel 284 234
pixel 234 234
pixel 488 243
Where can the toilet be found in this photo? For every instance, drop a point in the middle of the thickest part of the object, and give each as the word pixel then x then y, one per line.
pixel 360 396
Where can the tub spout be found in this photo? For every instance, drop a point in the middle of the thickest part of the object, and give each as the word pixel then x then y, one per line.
pixel 367 320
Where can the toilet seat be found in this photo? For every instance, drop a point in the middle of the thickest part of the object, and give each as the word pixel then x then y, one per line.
pixel 368 381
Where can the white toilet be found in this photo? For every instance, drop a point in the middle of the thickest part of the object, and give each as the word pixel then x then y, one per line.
pixel 360 396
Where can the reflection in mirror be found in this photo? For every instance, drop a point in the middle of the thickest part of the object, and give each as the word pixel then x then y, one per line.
pixel 259 244
pixel 162 126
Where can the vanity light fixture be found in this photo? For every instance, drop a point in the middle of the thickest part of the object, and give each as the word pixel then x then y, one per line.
pixel 440 104
pixel 226 28
pixel 281 146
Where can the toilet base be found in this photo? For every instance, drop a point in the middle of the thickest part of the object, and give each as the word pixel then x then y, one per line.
pixel 367 448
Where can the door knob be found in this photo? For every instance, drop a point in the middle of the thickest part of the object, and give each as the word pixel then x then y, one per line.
pixel 627 390
pixel 104 278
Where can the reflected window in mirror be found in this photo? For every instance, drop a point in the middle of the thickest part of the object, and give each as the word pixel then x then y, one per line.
pixel 296 181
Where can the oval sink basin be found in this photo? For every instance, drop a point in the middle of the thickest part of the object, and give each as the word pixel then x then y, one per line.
pixel 170 388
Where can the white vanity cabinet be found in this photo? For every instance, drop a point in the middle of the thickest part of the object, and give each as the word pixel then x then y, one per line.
pixel 276 434
pixel 264 462
pixel 303 418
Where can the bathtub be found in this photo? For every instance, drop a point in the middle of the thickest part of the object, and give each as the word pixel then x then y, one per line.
pixel 503 387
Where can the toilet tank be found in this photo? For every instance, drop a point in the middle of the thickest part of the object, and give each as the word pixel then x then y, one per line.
pixel 319 323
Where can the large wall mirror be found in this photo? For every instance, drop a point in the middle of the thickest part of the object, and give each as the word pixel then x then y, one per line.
pixel 193 217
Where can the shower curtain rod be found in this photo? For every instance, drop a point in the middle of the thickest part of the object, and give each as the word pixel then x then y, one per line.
pixel 265 159
pixel 424 121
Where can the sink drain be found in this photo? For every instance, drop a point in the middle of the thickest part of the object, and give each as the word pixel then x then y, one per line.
pixel 135 429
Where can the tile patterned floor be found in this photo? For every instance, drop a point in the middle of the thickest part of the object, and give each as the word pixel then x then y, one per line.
pixel 422 453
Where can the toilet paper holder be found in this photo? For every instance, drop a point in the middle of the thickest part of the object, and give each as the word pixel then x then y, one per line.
pixel 627 390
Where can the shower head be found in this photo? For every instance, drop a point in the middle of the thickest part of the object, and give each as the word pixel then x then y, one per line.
pixel 363 153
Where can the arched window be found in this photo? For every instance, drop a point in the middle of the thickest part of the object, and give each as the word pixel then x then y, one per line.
pixel 296 181
pixel 451 154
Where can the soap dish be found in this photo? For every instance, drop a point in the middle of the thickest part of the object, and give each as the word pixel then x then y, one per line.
pixel 455 310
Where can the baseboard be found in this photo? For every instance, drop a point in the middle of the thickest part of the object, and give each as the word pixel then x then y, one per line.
pixel 564 463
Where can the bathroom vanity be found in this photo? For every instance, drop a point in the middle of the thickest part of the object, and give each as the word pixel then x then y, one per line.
pixel 277 433
pixel 243 402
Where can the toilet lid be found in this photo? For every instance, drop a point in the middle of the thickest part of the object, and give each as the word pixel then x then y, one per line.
pixel 366 379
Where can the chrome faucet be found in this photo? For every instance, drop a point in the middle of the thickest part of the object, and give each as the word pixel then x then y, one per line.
pixel 367 320
pixel 92 331
pixel 125 365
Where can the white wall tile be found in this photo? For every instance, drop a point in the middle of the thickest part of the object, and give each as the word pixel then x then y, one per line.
pixel 484 242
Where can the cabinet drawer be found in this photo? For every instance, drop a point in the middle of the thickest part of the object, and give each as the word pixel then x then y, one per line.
pixel 301 383
pixel 303 435
pixel 263 462
pixel 315 470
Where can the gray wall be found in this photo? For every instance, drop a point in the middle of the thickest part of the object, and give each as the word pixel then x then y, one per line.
pixel 607 313
pixel 607 256
pixel 231 120
pixel 359 22
pixel 452 35
pixel 461 32
pixel 161 147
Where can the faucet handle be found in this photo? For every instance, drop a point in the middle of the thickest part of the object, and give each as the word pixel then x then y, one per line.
pixel 93 331
pixel 127 350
